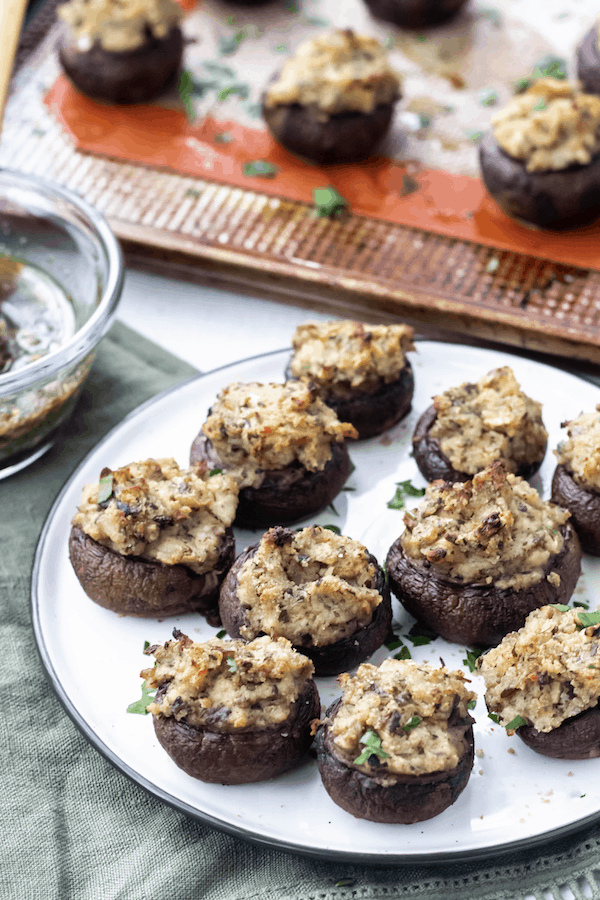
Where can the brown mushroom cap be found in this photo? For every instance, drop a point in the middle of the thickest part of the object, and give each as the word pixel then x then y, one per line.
pixel 588 62
pixel 576 738
pixel 557 199
pixel 330 659
pixel 411 798
pixel 285 495
pixel 434 464
pixel 584 506
pixel 478 614
pixel 244 756
pixel 132 586
pixel 414 13
pixel 345 137
pixel 129 76
pixel 373 412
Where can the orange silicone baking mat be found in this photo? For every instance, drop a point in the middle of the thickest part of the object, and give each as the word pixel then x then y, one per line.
pixel 421 240
pixel 455 76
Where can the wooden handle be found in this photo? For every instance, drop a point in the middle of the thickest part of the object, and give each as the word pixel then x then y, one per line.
pixel 11 19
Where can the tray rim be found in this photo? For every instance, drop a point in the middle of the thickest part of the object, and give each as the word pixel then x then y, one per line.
pixel 192 812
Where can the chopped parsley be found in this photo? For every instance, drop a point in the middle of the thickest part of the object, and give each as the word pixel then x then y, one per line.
pixel 215 472
pixel 471 704
pixel 472 657
pixel 494 717
pixel 403 654
pixel 412 723
pixel 540 106
pixel 346 882
pixel 333 509
pixel 393 642
pixel 231 664
pixel 551 67
pixel 421 635
pixel 404 489
pixel 517 722
pixel 488 97
pixel 522 84
pixel 239 90
pixel 328 201
pixel 146 645
pixel 186 89
pixel 105 488
pixel 588 619
pixel 581 604
pixel 475 135
pixel 229 43
pixel 560 607
pixel 372 743
pixel 260 168
pixel 333 528
pixel 139 706
pixel 221 634
pixel 281 48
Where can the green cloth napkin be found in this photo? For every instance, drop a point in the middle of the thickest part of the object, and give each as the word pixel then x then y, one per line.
pixel 74 828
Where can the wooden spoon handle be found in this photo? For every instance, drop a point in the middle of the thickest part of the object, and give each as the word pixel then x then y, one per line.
pixel 11 19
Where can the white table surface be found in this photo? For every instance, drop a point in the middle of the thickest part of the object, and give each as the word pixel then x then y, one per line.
pixel 206 326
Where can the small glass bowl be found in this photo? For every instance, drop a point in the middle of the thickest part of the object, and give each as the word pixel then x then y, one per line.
pixel 58 243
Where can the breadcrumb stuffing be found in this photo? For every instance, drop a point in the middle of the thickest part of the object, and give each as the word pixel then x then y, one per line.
pixel 546 672
pixel 495 528
pixel 419 712
pixel 119 25
pixel 552 126
pixel 342 355
pixel 227 685
pixel 580 452
pixel 160 512
pixel 336 72
pixel 311 586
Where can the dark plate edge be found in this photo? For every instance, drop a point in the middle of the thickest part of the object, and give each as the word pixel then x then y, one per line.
pixel 192 812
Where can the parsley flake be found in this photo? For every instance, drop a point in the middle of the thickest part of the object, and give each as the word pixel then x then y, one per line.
pixel 404 489
pixel 404 653
pixel 328 201
pixel 215 472
pixel 105 488
pixel 346 882
pixel 221 634
pixel 494 717
pixel 522 85
pixel 472 657
pixel 372 743
pixel 560 607
pixel 517 722
pixel 139 706
pixel 260 168
pixel 186 89
pixel 589 619
pixel 471 704
pixel 475 135
pixel 488 97
pixel 228 44
pixel 333 528
pixel 540 106
pixel 412 723
pixel 551 67
pixel 231 664
pixel 146 645
pixel 393 642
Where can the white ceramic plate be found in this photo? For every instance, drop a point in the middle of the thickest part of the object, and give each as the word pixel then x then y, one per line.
pixel 514 797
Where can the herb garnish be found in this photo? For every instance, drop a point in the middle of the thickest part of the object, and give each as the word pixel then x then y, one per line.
pixel 333 509
pixel 521 85
pixel 404 489
pixel 488 97
pixel 139 706
pixel 260 168
pixel 517 722
pixel 241 90
pixel 393 642
pixel 333 528
pixel 344 882
pixel 412 723
pixel 404 653
pixel 589 619
pixel 421 635
pixel 215 472
pixel 186 89
pixel 281 48
pixel 328 201
pixel 494 717
pixel 551 67
pixel 105 488
pixel 221 634
pixel 472 657
pixel 560 607
pixel 372 743
pixel 231 664
pixel 475 135
pixel 146 645
pixel 228 44
pixel 471 704
pixel 540 106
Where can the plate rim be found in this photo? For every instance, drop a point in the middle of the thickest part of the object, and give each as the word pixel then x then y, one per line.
pixel 240 831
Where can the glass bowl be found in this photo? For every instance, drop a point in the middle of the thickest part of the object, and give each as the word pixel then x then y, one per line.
pixel 61 276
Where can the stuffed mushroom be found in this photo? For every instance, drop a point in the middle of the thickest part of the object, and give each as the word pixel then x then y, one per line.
pixel 361 371
pixel 477 557
pixel 470 426
pixel 588 61
pixel 151 539
pixel 576 481
pixel 398 746
pixel 543 682
pixel 322 591
pixel 414 13
pixel 283 446
pixel 121 51
pixel 231 712
pixel 541 160
pixel 333 101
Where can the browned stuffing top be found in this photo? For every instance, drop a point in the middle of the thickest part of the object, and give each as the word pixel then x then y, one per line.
pixel 119 25
pixel 227 685
pixel 412 708
pixel 310 586
pixel 546 672
pixel 255 427
pixel 350 354
pixel 160 512
pixel 492 419
pixel 580 453
pixel 336 72
pixel 550 127
pixel 495 528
